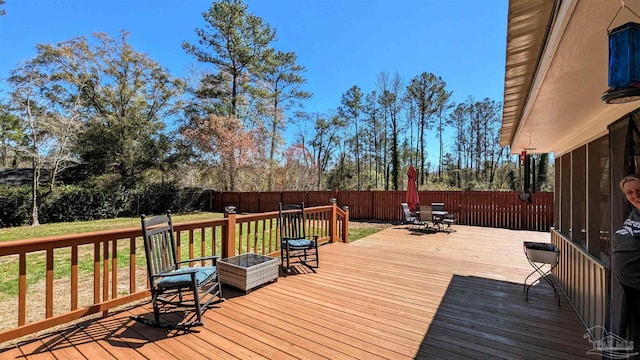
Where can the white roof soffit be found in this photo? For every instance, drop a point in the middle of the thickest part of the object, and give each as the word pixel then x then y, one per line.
pixel 526 29
pixel 563 109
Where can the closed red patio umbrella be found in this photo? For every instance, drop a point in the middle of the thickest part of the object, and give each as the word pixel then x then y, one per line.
pixel 412 189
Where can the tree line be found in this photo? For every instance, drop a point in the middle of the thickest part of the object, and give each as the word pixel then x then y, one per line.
pixel 96 108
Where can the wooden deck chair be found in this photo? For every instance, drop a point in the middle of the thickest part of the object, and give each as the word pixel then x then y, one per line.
pixel 295 245
pixel 173 285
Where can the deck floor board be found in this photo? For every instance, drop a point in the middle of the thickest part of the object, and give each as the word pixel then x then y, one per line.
pixel 397 294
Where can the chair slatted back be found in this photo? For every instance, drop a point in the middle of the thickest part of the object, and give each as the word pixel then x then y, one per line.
pixel 437 206
pixel 292 222
pixel 408 218
pixel 405 209
pixel 425 213
pixel 159 245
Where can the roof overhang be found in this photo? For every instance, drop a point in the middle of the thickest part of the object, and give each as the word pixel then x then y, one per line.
pixel 556 73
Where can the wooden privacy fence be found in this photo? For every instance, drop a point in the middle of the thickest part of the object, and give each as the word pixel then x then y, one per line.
pixel 45 279
pixel 477 208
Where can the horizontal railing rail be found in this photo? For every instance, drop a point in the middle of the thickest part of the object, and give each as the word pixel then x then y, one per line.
pixel 45 278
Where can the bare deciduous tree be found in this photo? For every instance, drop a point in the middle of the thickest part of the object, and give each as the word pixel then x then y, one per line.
pixel 28 100
pixel 212 136
pixel 125 97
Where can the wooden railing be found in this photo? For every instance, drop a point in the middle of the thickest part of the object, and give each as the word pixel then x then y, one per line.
pixel 584 280
pixel 498 209
pixel 112 264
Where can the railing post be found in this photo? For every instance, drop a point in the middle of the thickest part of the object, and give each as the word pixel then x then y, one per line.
pixel 345 225
pixel 229 234
pixel 333 221
pixel 22 288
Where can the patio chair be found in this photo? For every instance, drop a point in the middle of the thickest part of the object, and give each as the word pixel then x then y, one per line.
pixel 295 245
pixel 437 206
pixel 174 286
pixel 449 220
pixel 442 217
pixel 408 217
pixel 426 217
pixel 439 214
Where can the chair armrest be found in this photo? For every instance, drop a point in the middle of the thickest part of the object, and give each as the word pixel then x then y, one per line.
pixel 313 238
pixel 214 258
pixel 175 273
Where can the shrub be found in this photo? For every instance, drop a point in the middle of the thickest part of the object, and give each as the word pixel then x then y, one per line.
pixel 75 203
pixel 78 203
pixel 158 198
pixel 15 205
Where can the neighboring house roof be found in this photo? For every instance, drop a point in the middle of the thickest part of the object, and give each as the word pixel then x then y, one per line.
pixel 556 72
pixel 15 177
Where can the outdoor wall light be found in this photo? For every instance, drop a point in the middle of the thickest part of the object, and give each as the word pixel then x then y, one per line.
pixel 624 62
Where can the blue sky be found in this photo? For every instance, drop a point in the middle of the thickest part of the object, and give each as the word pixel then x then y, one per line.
pixel 341 42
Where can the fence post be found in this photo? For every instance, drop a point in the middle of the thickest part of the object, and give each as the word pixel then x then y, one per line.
pixel 524 223
pixel 463 209
pixel 229 233
pixel 333 221
pixel 373 205
pixel 345 225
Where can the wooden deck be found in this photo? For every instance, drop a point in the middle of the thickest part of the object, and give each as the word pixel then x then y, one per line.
pixel 394 295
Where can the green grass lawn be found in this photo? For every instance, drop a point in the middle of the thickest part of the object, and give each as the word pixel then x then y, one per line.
pixel 359 233
pixel 28 232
